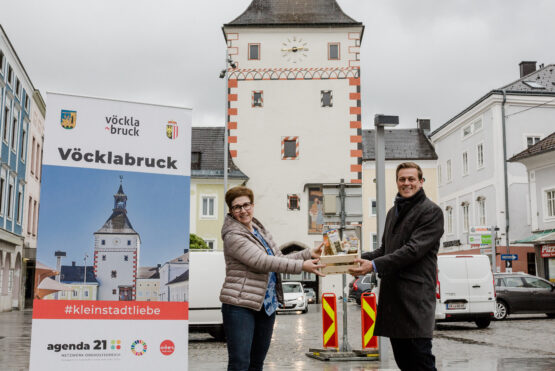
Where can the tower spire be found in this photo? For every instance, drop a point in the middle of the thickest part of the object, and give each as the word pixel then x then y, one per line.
pixel 120 198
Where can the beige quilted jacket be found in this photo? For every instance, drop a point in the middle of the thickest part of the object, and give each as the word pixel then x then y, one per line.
pixel 248 264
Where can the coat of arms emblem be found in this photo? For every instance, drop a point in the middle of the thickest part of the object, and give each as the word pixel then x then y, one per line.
pixel 68 119
pixel 171 129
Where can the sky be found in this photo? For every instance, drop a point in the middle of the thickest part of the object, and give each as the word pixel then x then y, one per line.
pixel 76 202
pixel 419 59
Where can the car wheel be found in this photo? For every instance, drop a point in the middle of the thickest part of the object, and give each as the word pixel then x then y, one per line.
pixel 305 309
pixel 501 311
pixel 551 315
pixel 358 301
pixel 483 322
pixel 218 333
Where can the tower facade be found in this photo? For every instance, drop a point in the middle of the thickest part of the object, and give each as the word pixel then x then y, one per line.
pixel 294 109
pixel 116 254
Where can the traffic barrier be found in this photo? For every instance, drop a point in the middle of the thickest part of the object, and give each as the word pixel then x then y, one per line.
pixel 329 320
pixel 368 321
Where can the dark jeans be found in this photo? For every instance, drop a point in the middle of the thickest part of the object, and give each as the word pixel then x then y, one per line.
pixel 414 354
pixel 248 335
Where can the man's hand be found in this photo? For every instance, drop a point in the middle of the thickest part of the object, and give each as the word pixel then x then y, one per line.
pixel 364 268
pixel 317 251
pixel 312 266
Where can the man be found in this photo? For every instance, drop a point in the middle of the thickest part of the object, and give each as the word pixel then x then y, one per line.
pixel 406 262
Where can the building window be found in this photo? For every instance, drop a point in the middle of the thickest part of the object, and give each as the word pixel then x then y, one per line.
pixel 2 187
pixel 550 200
pixel 254 51
pixel 449 212
pixel 481 210
pixel 26 101
pixel 289 148
pixel 33 155
pixel 373 207
pixel 10 75
pixel 439 179
pixel 103 258
pixel 10 201
pixel 10 281
pixel 374 241
pixel 14 132
pixel 126 258
pixel 209 206
pixel 257 99
pixel 211 244
pixel 103 242
pixel 114 292
pixel 38 162
pixel 465 163
pixel 114 274
pixel 86 292
pixel 6 124
pixel 333 51
pixel 472 128
pixel 17 87
pixel 128 242
pixel 35 217
pixel 448 171
pixel 480 150
pixel 1 60
pixel 75 293
pixel 30 216
pixel 195 160
pixel 466 221
pixel 293 202
pixel 532 140
pixel 23 146
pixel 19 207
pixel 326 98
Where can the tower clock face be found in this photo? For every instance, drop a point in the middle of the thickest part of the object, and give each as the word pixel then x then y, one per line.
pixel 294 49
pixel 116 241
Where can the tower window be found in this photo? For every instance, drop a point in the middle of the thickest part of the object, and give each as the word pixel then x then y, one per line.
pixel 114 274
pixel 257 100
pixel 333 51
pixel 103 258
pixel 114 292
pixel 293 202
pixel 326 98
pixel 103 242
pixel 289 148
pixel 128 242
pixel 254 51
pixel 125 258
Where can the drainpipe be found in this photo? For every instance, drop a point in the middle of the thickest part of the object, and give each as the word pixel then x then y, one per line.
pixel 505 176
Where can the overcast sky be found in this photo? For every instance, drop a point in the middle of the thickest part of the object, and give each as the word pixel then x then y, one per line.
pixel 420 59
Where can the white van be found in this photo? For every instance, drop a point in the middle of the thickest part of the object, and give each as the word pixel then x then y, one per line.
pixel 465 289
pixel 206 277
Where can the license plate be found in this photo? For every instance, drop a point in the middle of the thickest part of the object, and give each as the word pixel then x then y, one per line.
pixel 456 306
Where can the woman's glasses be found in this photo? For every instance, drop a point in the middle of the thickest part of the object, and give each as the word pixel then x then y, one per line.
pixel 237 208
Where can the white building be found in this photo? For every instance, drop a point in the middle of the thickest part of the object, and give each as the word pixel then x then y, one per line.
pixel 179 287
pixel 116 254
pixel 169 271
pixel 471 174
pixel 294 109
pixel 148 283
pixel 540 163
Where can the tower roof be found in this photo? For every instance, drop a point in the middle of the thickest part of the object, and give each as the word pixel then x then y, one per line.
pixel 304 13
pixel 118 222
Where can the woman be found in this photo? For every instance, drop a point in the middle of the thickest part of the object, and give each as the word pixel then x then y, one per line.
pixel 252 286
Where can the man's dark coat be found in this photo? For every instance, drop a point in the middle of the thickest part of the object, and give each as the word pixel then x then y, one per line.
pixel 407 265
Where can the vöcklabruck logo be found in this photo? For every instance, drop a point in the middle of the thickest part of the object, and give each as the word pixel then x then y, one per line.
pixel 122 125
pixel 111 158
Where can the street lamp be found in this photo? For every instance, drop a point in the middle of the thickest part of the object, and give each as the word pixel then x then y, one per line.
pixel 224 74
pixel 381 121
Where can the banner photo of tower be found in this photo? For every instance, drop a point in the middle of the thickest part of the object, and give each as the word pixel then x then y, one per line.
pixel 113 233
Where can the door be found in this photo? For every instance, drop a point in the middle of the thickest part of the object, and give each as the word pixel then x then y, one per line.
pixel 516 293
pixel 125 293
pixel 480 280
pixel 542 295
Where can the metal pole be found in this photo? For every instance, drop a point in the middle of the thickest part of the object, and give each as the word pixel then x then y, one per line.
pixel 226 132
pixel 84 275
pixel 493 248
pixel 380 205
pixel 505 175
pixel 58 267
pixel 345 347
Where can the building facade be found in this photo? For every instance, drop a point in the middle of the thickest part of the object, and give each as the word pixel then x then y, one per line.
pixel 471 167
pixel 169 271
pixel 294 109
pixel 207 210
pixel 148 283
pixel 116 254
pixel 78 288
pixel 16 91
pixel 401 145
pixel 539 160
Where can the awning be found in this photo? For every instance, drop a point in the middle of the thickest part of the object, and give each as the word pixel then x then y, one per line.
pixel 539 238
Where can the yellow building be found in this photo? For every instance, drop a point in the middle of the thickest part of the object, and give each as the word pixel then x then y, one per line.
pixel 207 184
pixel 401 145
pixel 148 282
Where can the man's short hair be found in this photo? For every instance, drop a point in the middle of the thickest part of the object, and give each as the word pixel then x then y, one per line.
pixel 238 191
pixel 408 165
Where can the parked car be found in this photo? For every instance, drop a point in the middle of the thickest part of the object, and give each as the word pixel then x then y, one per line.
pixel 294 297
pixel 523 293
pixel 465 290
pixel 310 295
pixel 362 285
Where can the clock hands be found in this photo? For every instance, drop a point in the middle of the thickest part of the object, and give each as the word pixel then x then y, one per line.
pixel 294 49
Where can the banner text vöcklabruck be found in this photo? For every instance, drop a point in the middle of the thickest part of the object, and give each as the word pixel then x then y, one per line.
pixel 100 157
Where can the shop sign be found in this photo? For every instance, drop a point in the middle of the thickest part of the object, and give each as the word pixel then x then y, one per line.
pixel 548 251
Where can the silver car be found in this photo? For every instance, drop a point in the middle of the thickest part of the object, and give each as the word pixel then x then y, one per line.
pixel 294 297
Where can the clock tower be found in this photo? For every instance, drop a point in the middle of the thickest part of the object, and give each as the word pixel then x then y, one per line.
pixel 294 109
pixel 116 253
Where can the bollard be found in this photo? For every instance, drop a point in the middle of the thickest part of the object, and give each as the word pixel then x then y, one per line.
pixel 368 314
pixel 329 320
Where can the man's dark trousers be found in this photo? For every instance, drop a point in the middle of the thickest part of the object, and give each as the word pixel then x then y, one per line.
pixel 413 354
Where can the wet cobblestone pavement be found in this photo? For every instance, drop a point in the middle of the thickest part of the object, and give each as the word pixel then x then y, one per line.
pixel 524 342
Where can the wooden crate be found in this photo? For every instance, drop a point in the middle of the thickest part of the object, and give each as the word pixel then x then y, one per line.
pixel 338 264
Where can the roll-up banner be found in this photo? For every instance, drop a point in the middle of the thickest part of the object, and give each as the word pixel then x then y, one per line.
pixel 111 287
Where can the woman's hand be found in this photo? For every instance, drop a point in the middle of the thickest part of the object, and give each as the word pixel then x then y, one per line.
pixel 317 251
pixel 312 266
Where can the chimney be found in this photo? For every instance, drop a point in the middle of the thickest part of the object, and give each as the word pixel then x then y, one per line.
pixel 424 125
pixel 527 67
